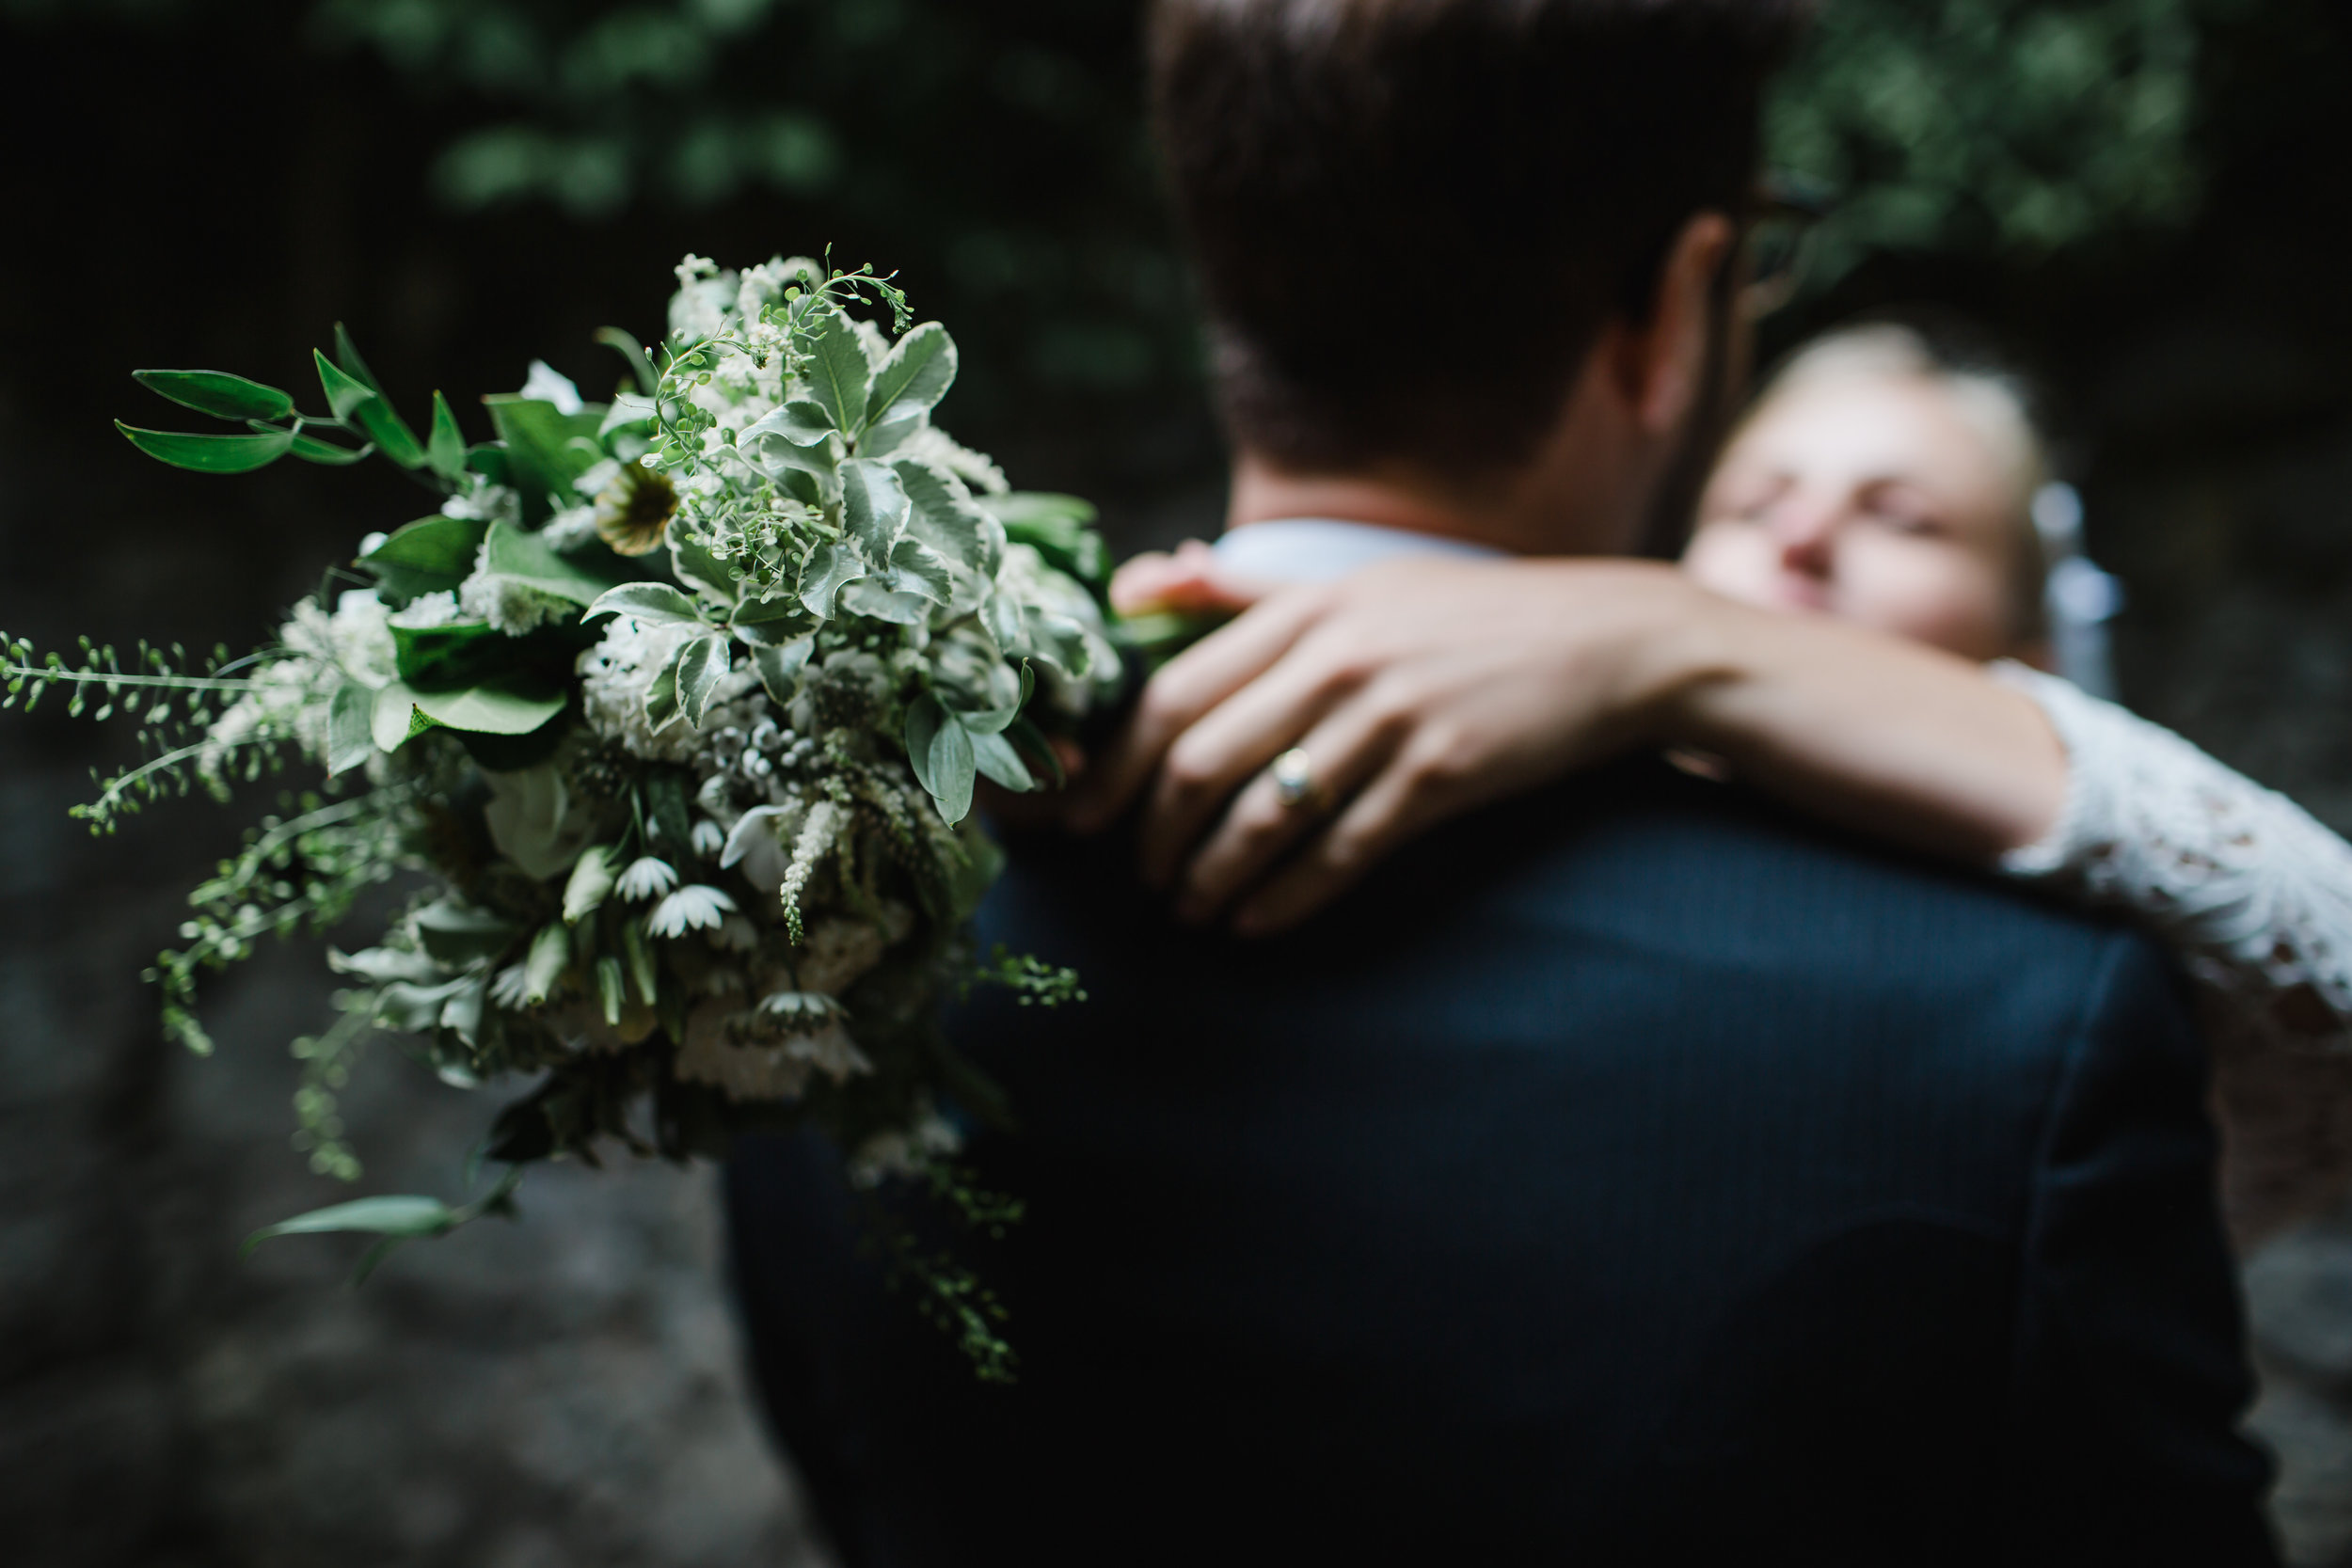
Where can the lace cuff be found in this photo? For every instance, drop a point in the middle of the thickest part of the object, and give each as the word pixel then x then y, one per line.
pixel 2254 894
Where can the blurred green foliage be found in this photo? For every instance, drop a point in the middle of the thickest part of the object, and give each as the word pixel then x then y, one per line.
pixel 1996 129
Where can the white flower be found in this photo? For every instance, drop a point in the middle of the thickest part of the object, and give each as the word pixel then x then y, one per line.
pixel 484 502
pixel 510 604
pixel 615 676
pixel 646 878
pixel 428 609
pixel 552 385
pixel 736 935
pixel 569 528
pixel 709 838
pixel 535 822
pixel 694 908
pixel 510 988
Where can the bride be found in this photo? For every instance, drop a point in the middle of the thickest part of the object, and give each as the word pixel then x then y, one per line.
pixel 1881 489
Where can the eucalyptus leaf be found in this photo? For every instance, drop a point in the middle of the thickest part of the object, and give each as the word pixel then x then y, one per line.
pixel 917 372
pixel 874 507
pixel 837 368
pixel 211 454
pixel 217 394
pixel 350 735
pixel 656 603
pixel 994 720
pixel 446 451
pixel 780 668
pixel 702 665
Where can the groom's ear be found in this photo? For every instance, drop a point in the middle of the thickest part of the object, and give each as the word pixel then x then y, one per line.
pixel 1659 366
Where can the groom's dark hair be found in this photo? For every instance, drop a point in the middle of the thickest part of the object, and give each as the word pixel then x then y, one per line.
pixel 1410 218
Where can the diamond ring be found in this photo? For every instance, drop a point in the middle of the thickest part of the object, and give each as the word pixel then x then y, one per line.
pixel 1293 775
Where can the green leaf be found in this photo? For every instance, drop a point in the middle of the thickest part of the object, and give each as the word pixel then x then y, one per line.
pixel 920 368
pixel 830 565
pixel 800 421
pixel 838 371
pixel 345 393
pixel 1059 528
pixel 873 507
pixel 994 720
pixel 402 1217
pixel 629 348
pixel 310 448
pixel 211 454
pixel 702 665
pixel 780 668
pixel 654 602
pixel 772 622
pixel 874 597
pixel 389 432
pixel 916 568
pixel 940 750
pixel 941 515
pixel 662 705
pixel 997 760
pixel 700 570
pixel 546 449
pixel 217 394
pixel 489 710
pixel 350 737
pixel 591 881
pixel 394 718
pixel 428 556
pixel 511 552
pixel 458 933
pixel 446 451
pixel 347 355
pixel 452 657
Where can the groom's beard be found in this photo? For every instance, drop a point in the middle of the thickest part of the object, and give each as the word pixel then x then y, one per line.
pixel 1673 505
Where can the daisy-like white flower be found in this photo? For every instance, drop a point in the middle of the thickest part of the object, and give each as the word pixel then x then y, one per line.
pixel 709 838
pixel 510 988
pixel 689 908
pixel 647 876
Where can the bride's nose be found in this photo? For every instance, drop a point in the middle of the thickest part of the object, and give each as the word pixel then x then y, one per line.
pixel 1805 528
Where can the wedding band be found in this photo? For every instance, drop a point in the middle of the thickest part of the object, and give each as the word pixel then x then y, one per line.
pixel 1293 775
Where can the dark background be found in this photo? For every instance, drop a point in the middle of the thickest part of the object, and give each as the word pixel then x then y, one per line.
pixel 2146 198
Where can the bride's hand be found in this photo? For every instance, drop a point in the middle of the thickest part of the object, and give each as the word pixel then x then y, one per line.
pixel 1418 690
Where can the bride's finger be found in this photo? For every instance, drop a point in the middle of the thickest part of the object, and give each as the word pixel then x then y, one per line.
pixel 1186 688
pixel 1407 797
pixel 1219 752
pixel 1348 748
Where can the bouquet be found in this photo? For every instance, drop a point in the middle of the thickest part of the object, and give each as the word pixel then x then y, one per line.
pixel 677 703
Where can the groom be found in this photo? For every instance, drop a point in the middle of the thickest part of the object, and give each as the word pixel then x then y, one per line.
pixel 1623 1174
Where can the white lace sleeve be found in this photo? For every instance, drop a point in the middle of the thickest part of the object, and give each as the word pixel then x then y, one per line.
pixel 2254 895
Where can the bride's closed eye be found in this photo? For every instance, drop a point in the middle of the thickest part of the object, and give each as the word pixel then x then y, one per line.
pixel 1902 510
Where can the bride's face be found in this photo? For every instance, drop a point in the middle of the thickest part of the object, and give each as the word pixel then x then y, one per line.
pixel 1874 498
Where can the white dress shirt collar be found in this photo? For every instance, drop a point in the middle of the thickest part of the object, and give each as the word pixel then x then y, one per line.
pixel 1321 549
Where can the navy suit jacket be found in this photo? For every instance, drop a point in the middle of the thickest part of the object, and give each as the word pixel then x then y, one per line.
pixel 1626 1174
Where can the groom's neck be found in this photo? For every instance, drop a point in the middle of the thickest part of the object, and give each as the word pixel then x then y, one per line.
pixel 1568 501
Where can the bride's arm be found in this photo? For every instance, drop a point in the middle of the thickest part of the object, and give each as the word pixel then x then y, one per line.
pixel 1423 688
